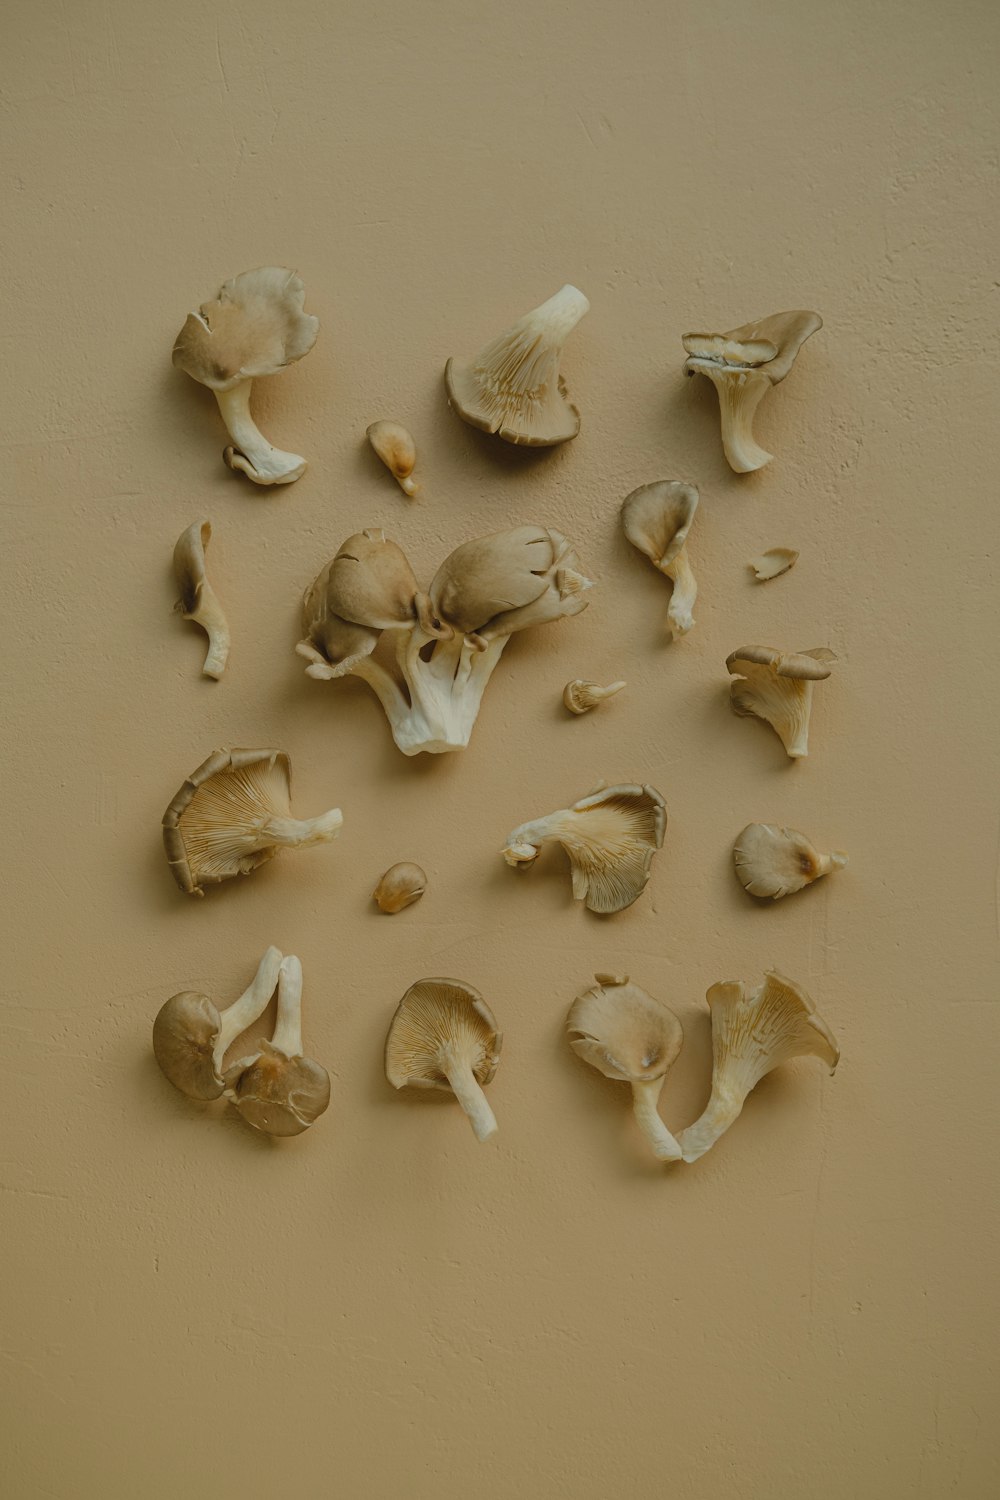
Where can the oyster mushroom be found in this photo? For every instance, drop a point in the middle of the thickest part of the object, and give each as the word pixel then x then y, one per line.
pixel 232 814
pixel 743 365
pixel 657 518
pixel 278 1091
pixel 753 1030
pixel 444 1036
pixel 254 327
pixel 624 1033
pixel 609 837
pixel 513 386
pixel 191 1037
pixel 399 887
pixel 397 450
pixel 500 584
pixel 774 862
pixel 198 600
pixel 777 686
pixel 580 696
pixel 773 563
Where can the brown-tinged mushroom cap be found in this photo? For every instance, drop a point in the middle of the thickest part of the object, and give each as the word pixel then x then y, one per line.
pixel 487 586
pixel 279 1091
pixel 444 1036
pixel 813 665
pixel 371 583
pixel 397 450
pixel 255 326
pixel 772 862
pixel 191 1037
pixel 656 519
pixel 332 645
pixel 199 601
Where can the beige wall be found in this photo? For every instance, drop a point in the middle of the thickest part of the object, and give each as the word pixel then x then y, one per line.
pixel 383 1307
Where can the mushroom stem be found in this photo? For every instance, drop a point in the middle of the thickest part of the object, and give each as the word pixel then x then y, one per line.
pixel 251 452
pixel 287 1036
pixel 294 833
pixel 740 394
pixel 679 614
pixel 796 737
pixel 469 1095
pixel 251 1004
pixel 719 1113
pixel 213 622
pixel 645 1093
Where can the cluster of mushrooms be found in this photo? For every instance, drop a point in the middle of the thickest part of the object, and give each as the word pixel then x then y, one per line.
pixel 428 653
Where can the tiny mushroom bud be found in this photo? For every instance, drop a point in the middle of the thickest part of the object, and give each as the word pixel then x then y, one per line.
pixel 399 887
pixel 580 696
pixel 444 1036
pixel 777 686
pixel 773 563
pixel 397 450
pixel 278 1091
pixel 773 862
pixel 198 600
pixel 657 518
pixel 191 1037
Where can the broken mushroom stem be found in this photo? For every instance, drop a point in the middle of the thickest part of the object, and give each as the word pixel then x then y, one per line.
pixel 250 452
pixel 298 833
pixel 287 1037
pixel 457 1069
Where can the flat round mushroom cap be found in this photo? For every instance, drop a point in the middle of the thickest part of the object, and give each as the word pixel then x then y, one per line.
pixel 255 326
pixel 281 1095
pixel 493 574
pixel 657 518
pixel 185 1032
pixel 772 862
pixel 623 1032
pixel 434 1018
pixel 813 666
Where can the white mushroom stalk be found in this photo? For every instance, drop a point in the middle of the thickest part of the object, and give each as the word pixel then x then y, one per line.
pixel 191 1037
pixel 278 1090
pixel 250 451
pixel 444 1036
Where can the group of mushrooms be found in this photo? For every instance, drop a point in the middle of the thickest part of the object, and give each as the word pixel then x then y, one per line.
pixel 234 812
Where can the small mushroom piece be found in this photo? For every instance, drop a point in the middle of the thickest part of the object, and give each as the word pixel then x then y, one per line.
pixel 397 450
pixel 773 862
pixel 497 585
pixel 513 386
pixel 773 563
pixel 232 814
pixel 278 1091
pixel 624 1033
pixel 657 518
pixel 609 837
pixel 399 887
pixel 191 1037
pixel 777 686
pixel 256 326
pixel 753 1030
pixel 580 696
pixel 199 601
pixel 444 1036
pixel 743 365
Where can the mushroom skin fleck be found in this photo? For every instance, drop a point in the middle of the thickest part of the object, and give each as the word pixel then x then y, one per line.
pixel 191 1037
pixel 278 1091
pixel 400 886
pixel 444 1036
pixel 772 862
pixel 656 519
pixel 198 600
pixel 255 326
pixel 753 1031
pixel 397 450
pixel 580 696
pixel 773 562
pixel 777 686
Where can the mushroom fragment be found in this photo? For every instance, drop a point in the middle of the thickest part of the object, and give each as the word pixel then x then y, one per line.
pixel 232 814
pixel 278 1091
pixel 626 1034
pixel 255 326
pixel 657 518
pixel 199 601
pixel 610 838
pixel 191 1037
pixel 444 1036
pixel 580 696
pixel 773 563
pixel 743 365
pixel 397 450
pixel 753 1030
pixel 773 862
pixel 399 887
pixel 513 386
pixel 777 686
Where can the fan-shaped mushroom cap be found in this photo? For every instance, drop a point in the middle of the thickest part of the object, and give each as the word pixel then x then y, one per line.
pixel 198 600
pixel 513 386
pixel 775 862
pixel 191 1037
pixel 255 326
pixel 397 450
pixel 499 584
pixel 777 686
pixel 773 562
pixel 657 518
pixel 444 1036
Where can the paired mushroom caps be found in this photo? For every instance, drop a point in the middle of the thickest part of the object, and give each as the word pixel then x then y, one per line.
pixel 656 519
pixel 444 1036
pixel 777 686
pixel 191 1037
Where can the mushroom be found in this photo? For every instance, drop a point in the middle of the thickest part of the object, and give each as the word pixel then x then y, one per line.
pixel 610 838
pixel 777 686
pixel 624 1033
pixel 513 386
pixel 580 696
pixel 775 862
pixel 399 887
pixel 743 365
pixel 191 1037
pixel 771 564
pixel 753 1030
pixel 657 518
pixel 397 450
pixel 232 814
pixel 278 1091
pixel 444 1036
pixel 506 582
pixel 199 601
pixel 254 327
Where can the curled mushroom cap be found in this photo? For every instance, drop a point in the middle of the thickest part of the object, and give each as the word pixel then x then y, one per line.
pixel 232 814
pixel 399 887
pixel 397 450
pixel 773 562
pixel 278 1091
pixel 444 1036
pixel 774 862
pixel 609 837
pixel 496 585
pixel 624 1033
pixel 743 365
pixel 513 386
pixel 580 696
pixel 191 1037
pixel 753 1030
pixel 254 327
pixel 657 518
pixel 777 686
pixel 198 600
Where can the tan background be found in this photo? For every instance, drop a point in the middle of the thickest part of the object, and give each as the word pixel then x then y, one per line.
pixel 383 1307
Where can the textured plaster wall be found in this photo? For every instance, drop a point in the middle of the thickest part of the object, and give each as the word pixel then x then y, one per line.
pixel 383 1307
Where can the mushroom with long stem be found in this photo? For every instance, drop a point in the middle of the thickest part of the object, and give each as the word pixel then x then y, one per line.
pixel 198 600
pixel 580 696
pixel 444 1036
pixel 191 1037
pixel 657 518
pixel 278 1090
pixel 777 686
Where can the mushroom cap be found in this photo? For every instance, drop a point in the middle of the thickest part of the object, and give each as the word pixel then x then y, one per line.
pixel 657 517
pixel 435 1017
pixel 401 885
pixel 768 1025
pixel 395 447
pixel 255 326
pixel 232 790
pixel 769 344
pixel 371 583
pixel 494 574
pixel 773 562
pixel 813 665
pixel 189 564
pixel 623 1032
pixel 281 1095
pixel 772 862
pixel 185 1032
pixel 332 644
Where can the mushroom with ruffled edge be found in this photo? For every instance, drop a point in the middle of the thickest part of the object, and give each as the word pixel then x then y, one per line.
pixel 191 1037
pixel 753 1030
pixel 277 1090
pixel 626 1034
pixel 256 326
pixel 199 601
pixel 610 838
pixel 743 365
pixel 772 862
pixel 448 641
pixel 777 686
pixel 232 814
pixel 657 518
pixel 513 387
pixel 444 1036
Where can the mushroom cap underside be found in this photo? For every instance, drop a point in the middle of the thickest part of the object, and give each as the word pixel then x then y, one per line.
pixel 777 1019
pixel 228 792
pixel 540 418
pixel 435 1016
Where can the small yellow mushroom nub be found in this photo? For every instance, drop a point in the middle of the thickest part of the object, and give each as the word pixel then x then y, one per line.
pixel 399 887
pixel 397 450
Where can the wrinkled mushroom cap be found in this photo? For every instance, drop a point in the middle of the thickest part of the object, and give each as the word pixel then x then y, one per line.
pixel 281 1095
pixel 770 1024
pixel 185 1032
pixel 811 666
pixel 436 1016
pixel 657 517
pixel 769 344
pixel 772 862
pixel 623 1032
pixel 229 792
pixel 492 575
pixel 255 326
